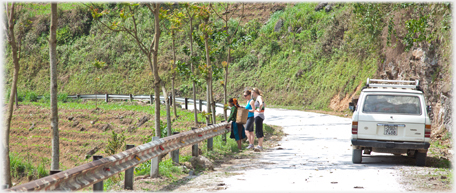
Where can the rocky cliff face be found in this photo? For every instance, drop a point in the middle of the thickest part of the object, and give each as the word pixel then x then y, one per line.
pixel 428 62
pixel 435 79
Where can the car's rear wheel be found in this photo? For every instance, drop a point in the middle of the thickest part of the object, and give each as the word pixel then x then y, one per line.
pixel 420 159
pixel 357 156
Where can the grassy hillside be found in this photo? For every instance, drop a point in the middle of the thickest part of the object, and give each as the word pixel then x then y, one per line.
pixel 314 57
pixel 306 68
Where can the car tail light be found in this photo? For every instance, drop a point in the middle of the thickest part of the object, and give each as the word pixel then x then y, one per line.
pixel 427 131
pixel 354 127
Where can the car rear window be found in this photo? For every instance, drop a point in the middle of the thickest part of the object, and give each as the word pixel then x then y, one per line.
pixel 392 104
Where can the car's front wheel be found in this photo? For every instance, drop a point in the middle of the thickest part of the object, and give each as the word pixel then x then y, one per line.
pixel 357 156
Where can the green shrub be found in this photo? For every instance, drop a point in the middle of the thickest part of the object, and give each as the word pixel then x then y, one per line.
pixel 168 169
pixel 23 167
pixel 46 98
pixel 31 96
pixel 163 129
pixel 142 169
pixel 115 143
pixel 274 47
pixel 62 97
pixel 63 35
pixel 247 62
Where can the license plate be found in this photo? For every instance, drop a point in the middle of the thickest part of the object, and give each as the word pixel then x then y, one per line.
pixel 390 130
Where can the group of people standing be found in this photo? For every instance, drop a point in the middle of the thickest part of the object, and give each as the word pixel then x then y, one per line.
pixel 255 106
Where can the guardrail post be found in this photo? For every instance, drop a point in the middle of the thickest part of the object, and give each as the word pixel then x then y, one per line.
pixel 106 98
pixel 77 96
pixel 128 184
pixel 195 146
pixel 210 142
pixel 151 99
pixel 98 186
pixel 223 135
pixel 201 105
pixel 186 103
pixel 175 154
pixel 170 100
pixel 154 163
pixel 131 97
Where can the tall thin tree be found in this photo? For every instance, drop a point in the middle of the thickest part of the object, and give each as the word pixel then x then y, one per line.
pixel 175 19
pixel 54 107
pixel 206 15
pixel 229 9
pixel 190 11
pixel 14 52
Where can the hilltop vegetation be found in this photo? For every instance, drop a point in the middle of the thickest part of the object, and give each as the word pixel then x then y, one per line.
pixel 299 56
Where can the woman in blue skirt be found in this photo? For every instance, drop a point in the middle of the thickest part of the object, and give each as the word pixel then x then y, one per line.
pixel 237 130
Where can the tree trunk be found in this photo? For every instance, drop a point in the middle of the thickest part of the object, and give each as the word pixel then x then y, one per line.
pixel 214 116
pixel 226 69
pixel 226 81
pixel 5 144
pixel 209 73
pixel 208 99
pixel 54 108
pixel 168 115
pixel 191 66
pixel 173 78
pixel 157 79
pixel 168 112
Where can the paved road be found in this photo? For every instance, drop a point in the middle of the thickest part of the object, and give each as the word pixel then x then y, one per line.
pixel 316 156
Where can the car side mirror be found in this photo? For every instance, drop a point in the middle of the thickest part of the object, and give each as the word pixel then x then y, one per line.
pixel 351 106
pixel 429 108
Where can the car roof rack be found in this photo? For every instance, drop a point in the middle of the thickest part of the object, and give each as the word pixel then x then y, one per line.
pixel 395 84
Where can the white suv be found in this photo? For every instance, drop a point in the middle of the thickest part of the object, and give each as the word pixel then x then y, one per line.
pixel 391 117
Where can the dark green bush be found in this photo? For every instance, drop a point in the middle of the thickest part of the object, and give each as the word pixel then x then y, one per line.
pixel 247 62
pixel 31 96
pixel 62 97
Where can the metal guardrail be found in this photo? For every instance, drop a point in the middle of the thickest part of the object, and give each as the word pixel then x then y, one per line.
pixel 90 173
pixel 135 97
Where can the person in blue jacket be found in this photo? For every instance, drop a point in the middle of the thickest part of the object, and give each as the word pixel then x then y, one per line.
pixel 250 118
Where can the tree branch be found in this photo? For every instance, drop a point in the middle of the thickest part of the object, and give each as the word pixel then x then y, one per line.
pixel 242 17
pixel 135 33
pixel 11 24
pixel 150 8
pixel 221 17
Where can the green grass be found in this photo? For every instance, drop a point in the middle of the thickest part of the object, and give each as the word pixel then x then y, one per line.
pixel 22 166
pixel 220 149
pixel 169 170
pixel 115 180
pixel 38 9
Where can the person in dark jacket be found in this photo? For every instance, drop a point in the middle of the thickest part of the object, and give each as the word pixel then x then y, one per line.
pixel 237 130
